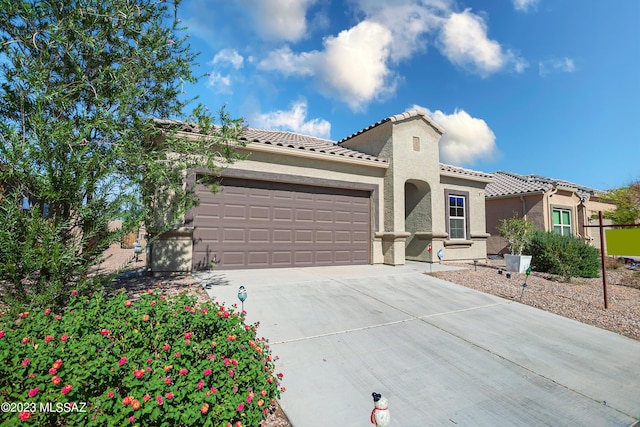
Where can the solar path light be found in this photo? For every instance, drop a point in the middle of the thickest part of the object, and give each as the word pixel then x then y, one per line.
pixel 242 295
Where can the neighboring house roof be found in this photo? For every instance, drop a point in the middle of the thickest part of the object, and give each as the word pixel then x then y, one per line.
pixel 511 184
pixel 396 118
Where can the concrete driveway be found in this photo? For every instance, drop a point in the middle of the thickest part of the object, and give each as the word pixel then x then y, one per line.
pixel 443 354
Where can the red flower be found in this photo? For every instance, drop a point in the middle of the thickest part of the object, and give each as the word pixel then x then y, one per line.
pixel 177 354
pixel 47 311
pixel 167 380
pixel 74 292
pixel 166 347
pixel 25 362
pixel 52 371
pixel 24 340
pixel 110 394
pixel 188 335
pixel 183 372
pixel 146 397
pixel 127 400
pixel 33 392
pixel 31 375
pixel 56 379
pixel 48 338
pixel 138 373
pixel 159 399
pixel 57 364
pixel 127 303
pixel 66 389
pixel 169 395
pixel 135 404
pixel 23 315
pixel 1 334
pixel 206 372
pixel 58 317
pixel 149 360
pixel 64 338
pixel 122 361
pixel 24 416
pixel 205 408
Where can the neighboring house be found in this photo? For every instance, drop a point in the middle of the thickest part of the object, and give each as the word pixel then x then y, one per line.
pixel 550 204
pixel 377 196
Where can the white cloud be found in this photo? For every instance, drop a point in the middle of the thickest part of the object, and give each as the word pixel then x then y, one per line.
pixel 218 82
pixel 564 65
pixel 230 56
pixel 524 5
pixel 466 139
pixel 294 120
pixel 280 20
pixel 465 42
pixel 352 66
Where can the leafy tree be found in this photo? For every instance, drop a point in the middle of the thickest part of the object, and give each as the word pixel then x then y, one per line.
pixel 627 201
pixel 82 84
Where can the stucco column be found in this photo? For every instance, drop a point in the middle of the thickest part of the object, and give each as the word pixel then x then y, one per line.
pixel 393 247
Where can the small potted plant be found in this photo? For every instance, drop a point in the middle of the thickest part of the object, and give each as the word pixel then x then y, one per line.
pixel 517 231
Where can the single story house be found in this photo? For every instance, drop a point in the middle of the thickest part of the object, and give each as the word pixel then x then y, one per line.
pixel 377 196
pixel 550 204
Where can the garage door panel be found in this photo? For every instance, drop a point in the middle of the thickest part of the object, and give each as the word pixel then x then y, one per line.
pixel 253 224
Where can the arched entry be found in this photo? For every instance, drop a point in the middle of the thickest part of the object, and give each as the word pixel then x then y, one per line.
pixel 417 218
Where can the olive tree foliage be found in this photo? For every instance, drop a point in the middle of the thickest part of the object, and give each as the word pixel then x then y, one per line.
pixel 81 84
pixel 627 201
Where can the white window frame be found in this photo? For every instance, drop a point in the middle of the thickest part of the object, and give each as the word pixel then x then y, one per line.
pixel 561 228
pixel 457 217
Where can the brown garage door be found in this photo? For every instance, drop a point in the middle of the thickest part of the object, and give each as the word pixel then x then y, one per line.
pixel 258 224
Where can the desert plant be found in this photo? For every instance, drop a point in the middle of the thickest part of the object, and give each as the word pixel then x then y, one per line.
pixel 563 255
pixel 517 232
pixel 156 361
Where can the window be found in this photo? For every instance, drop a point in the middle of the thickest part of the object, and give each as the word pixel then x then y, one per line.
pixel 562 221
pixel 457 217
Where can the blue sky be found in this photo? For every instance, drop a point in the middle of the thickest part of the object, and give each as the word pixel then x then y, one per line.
pixel 548 87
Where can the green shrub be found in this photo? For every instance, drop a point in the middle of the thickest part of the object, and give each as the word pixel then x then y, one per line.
pixel 158 361
pixel 563 255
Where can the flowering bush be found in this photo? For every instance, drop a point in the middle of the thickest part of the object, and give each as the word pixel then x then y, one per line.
pixel 110 361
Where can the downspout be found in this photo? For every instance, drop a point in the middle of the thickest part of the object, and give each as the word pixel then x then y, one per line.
pixel 524 207
pixel 549 227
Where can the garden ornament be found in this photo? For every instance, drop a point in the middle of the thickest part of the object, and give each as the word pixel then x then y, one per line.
pixel 380 415
pixel 242 295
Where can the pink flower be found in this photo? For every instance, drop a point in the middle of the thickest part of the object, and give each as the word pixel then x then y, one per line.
pixel 166 347
pixel 25 362
pixel 48 338
pixel 66 389
pixel 240 407
pixel 122 361
pixel 110 394
pixel 24 416
pixel 170 42
pixel 206 372
pixel 52 371
pixel 177 354
pixel 138 373
pixel 230 372
pixel 250 397
pixel 63 338
pixel 56 380
pixel 33 392
pixel 183 372
pixel 31 375
pixel 104 332
pixel 200 384
pixel 58 317
pixel 74 292
pixel 159 399
pixel 214 390
pixel 146 397
pixel 23 315
pixel 47 311
pixel 169 395
pixel 132 419
pixel 188 335
pixel 167 380
pixel 1 334
pixel 24 340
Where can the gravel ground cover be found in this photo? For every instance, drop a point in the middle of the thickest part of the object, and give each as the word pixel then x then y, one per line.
pixel 579 299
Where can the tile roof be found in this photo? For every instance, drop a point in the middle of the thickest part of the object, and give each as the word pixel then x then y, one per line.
pixel 507 183
pixel 465 172
pixel 304 142
pixel 279 138
pixel 397 118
